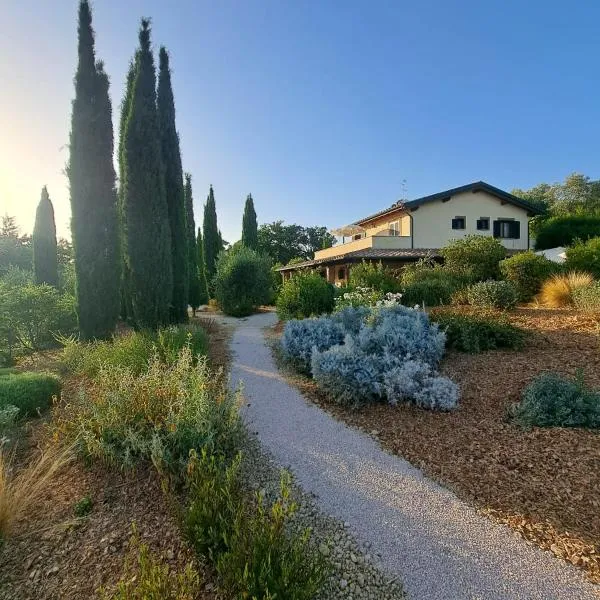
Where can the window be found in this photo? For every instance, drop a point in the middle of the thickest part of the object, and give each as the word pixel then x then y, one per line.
pixel 342 274
pixel 507 229
pixel 459 223
pixel 395 228
pixel 483 224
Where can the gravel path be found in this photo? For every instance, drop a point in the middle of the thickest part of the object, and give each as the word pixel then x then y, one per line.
pixel 438 545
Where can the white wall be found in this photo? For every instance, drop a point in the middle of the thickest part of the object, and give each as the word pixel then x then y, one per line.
pixel 432 222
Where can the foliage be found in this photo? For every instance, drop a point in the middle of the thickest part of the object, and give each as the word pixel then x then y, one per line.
pixel 285 242
pixel 375 276
pixel 551 400
pixel 15 250
pixel 587 297
pixel 29 392
pixel 211 239
pixel 429 292
pixel 145 214
pixel 147 577
pixel 173 181
pixel 45 259
pixel 301 336
pixel 242 281
pixel 160 414
pixel 249 225
pixel 255 553
pixel 585 256
pixel 493 294
pixel 305 294
pixel 564 230
pixel 92 185
pixel 276 282
pixel 359 296
pixel 21 491
pixel 202 269
pixel 477 255
pixel 351 318
pixel 558 290
pixel 83 506
pixel 197 293
pixel 527 271
pixel 476 333
pixel 134 351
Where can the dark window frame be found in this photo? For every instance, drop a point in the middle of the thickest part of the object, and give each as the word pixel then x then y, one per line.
pixel 455 223
pixel 483 224
pixel 514 229
pixel 341 274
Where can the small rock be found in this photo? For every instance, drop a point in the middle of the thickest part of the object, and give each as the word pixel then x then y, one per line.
pixel 324 549
pixel 170 554
pixel 343 584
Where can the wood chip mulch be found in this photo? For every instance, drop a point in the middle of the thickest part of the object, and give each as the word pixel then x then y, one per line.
pixel 544 483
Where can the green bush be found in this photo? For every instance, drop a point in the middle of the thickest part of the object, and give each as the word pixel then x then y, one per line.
pixel 585 256
pixel 375 276
pixel 527 271
pixel 430 292
pixel 160 414
pixel 242 281
pixel 477 333
pixel 551 400
pixel 305 294
pixel 588 297
pixel 493 294
pixel 476 256
pixel 29 392
pixel 563 231
pixel 256 553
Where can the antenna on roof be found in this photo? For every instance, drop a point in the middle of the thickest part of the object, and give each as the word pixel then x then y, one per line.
pixel 403 193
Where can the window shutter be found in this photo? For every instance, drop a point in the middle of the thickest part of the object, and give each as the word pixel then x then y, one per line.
pixel 515 230
pixel 454 224
pixel 496 229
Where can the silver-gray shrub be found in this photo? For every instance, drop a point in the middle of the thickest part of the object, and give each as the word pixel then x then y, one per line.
pixel 351 318
pixel 301 336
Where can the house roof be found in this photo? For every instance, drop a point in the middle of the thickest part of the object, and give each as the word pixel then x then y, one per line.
pixel 365 254
pixel 471 187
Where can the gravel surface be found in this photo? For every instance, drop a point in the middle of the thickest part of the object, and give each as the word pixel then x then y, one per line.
pixel 436 544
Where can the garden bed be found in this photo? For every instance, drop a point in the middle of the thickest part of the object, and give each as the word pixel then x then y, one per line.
pixel 544 482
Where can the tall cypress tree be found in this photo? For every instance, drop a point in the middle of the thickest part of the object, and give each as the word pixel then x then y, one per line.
pixel 45 261
pixel 93 195
pixel 147 235
pixel 249 225
pixel 194 294
pixel 202 285
pixel 171 156
pixel 212 243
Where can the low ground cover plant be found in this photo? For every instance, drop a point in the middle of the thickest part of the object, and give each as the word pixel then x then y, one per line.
pixel 306 294
pixel 527 271
pixel 585 256
pixel 558 291
pixel 552 400
pixel 476 333
pixel 29 393
pixel 587 297
pixel 493 294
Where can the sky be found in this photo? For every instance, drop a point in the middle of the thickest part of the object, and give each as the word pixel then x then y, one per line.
pixel 325 111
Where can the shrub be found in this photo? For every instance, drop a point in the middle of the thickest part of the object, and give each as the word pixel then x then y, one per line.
pixel 588 297
pixel 558 290
pixel 29 392
pixel 476 255
pixel 527 271
pixel 360 296
pixel 351 318
pixel 160 414
pixel 551 400
pixel 375 276
pixel 306 294
pixel 242 281
pixel 429 292
pixel 477 333
pixel 585 256
pixel 563 231
pixel 493 294
pixel 148 577
pixel 300 337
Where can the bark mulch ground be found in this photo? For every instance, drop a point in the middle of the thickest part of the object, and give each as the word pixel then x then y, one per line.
pixel 544 483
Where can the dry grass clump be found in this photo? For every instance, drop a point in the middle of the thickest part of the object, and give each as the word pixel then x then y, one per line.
pixel 19 490
pixel 557 291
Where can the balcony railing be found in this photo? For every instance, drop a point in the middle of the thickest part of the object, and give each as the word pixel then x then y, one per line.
pixel 381 240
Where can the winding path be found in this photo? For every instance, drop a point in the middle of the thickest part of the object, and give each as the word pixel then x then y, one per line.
pixel 438 545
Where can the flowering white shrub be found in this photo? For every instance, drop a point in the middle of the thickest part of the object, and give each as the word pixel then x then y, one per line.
pixel 301 336
pixel 360 296
pixel 389 300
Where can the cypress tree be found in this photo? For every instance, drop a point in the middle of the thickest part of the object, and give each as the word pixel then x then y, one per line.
pixel 212 243
pixel 93 195
pixel 194 294
pixel 202 285
pixel 171 156
pixel 249 225
pixel 45 260
pixel 147 236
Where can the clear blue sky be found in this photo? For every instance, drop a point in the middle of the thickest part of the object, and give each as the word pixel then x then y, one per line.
pixel 320 109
